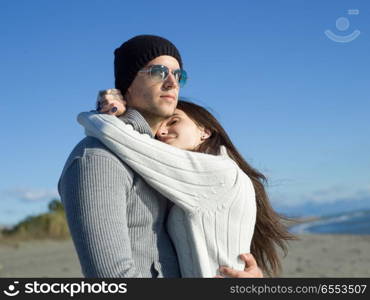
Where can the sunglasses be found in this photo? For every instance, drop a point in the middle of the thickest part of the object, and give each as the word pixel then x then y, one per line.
pixel 160 73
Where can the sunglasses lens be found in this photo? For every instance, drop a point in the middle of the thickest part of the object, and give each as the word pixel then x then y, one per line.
pixel 159 73
pixel 181 77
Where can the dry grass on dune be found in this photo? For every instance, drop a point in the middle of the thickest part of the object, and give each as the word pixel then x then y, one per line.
pixel 50 225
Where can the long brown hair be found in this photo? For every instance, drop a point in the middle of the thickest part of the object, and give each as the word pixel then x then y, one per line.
pixel 269 230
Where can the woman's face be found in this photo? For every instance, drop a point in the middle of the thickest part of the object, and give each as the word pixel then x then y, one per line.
pixel 180 131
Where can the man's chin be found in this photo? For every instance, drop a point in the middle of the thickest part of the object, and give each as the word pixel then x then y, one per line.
pixel 167 112
pixel 167 115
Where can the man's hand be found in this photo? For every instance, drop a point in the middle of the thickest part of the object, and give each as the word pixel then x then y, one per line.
pixel 111 102
pixel 251 270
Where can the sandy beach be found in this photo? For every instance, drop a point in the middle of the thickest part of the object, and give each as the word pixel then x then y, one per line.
pixel 311 256
pixel 328 255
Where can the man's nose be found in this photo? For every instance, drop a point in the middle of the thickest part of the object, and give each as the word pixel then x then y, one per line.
pixel 170 81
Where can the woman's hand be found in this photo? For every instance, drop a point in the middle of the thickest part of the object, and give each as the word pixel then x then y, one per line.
pixel 251 270
pixel 111 102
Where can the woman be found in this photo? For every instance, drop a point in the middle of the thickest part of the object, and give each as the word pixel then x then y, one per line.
pixel 221 208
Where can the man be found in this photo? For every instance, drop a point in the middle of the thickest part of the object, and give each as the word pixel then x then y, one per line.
pixel 116 220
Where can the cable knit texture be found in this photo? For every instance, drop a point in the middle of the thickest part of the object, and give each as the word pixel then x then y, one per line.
pixel 117 221
pixel 213 218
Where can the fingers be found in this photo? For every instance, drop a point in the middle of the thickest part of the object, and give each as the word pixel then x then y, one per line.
pixel 110 95
pixel 119 109
pixel 112 104
pixel 111 98
pixel 108 108
pixel 249 260
pixel 251 269
pixel 113 92
pixel 251 266
pixel 230 272
pixel 254 272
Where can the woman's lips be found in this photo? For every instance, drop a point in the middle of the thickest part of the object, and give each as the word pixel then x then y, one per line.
pixel 165 139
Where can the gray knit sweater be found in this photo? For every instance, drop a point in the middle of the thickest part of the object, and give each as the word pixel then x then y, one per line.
pixel 117 221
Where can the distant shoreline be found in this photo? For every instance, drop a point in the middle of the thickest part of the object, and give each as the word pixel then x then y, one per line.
pixel 353 223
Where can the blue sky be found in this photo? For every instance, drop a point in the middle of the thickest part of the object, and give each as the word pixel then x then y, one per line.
pixel 295 103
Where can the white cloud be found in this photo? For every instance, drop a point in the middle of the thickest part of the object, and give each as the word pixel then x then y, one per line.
pixel 328 195
pixel 336 193
pixel 29 194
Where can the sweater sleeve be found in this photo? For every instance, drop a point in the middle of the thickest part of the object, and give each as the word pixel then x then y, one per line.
pixel 93 190
pixel 191 180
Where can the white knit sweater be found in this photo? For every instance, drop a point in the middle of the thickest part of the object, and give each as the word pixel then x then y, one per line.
pixel 213 218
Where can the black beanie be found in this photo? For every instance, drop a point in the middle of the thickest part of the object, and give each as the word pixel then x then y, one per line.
pixel 135 53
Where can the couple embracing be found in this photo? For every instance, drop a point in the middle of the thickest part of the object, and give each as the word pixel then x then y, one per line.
pixel 157 188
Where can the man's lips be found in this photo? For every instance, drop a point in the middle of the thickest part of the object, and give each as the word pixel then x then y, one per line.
pixel 168 97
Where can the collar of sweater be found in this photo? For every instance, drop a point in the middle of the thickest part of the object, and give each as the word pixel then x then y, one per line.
pixel 138 122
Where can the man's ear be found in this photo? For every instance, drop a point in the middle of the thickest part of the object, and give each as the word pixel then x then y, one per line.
pixel 206 133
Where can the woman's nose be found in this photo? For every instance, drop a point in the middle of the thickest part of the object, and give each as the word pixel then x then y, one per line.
pixel 162 131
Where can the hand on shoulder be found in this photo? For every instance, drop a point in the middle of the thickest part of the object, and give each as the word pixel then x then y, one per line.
pixel 111 102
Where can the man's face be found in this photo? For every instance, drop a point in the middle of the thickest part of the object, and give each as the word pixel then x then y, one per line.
pixel 153 98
